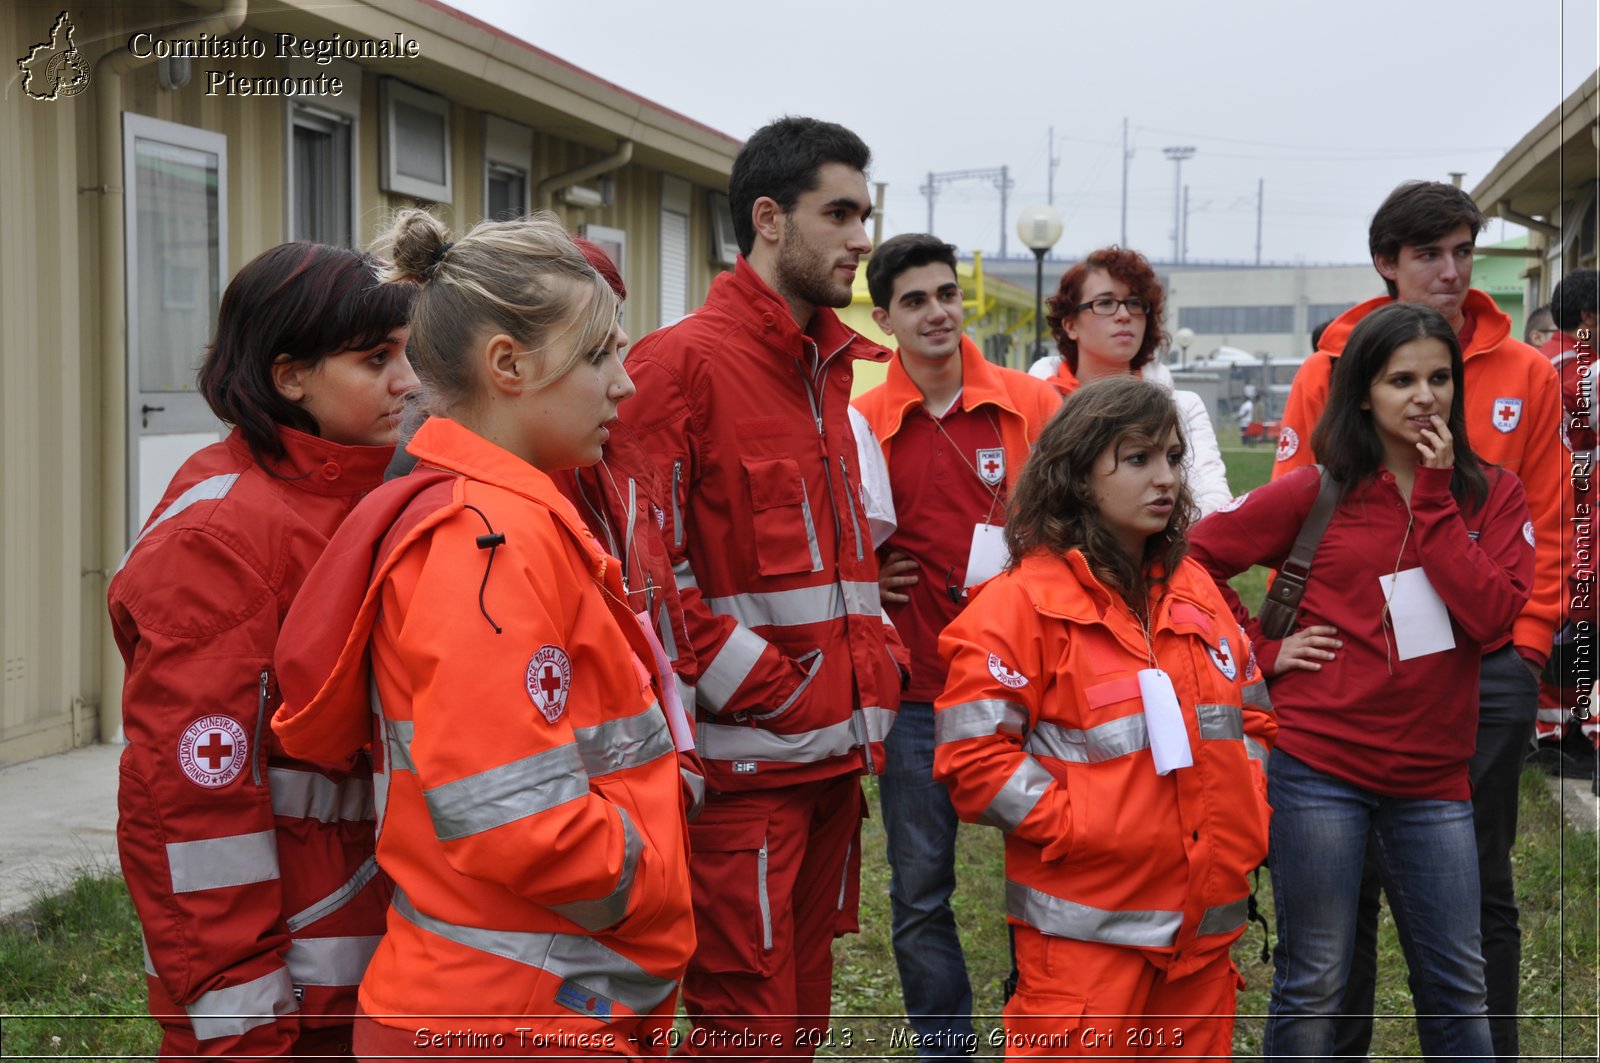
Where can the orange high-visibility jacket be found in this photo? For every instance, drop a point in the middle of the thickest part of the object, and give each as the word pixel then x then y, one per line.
pixel 530 810
pixel 1041 732
pixel 1513 412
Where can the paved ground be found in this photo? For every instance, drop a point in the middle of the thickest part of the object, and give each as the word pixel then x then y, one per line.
pixel 58 818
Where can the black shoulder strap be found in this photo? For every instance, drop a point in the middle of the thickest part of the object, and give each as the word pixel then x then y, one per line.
pixel 1305 544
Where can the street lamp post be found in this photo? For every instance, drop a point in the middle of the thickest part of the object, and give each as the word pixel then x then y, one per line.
pixel 1039 227
pixel 1183 337
pixel 1177 155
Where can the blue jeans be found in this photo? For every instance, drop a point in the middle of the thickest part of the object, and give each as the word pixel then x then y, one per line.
pixel 921 827
pixel 1427 861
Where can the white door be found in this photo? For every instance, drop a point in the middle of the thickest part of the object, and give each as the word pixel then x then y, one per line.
pixel 176 182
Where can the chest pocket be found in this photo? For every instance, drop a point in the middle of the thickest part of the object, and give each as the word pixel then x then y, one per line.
pixel 784 530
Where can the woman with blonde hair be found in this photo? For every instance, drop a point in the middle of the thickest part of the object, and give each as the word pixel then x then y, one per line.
pixel 469 626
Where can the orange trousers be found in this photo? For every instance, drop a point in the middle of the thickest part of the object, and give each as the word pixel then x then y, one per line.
pixel 1080 999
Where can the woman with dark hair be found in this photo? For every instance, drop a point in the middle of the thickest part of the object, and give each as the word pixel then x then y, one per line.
pixel 252 873
pixel 1106 319
pixel 1427 554
pixel 469 626
pixel 1103 711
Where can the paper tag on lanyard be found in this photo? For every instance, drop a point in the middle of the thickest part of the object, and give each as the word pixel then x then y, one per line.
pixel 671 703
pixel 988 556
pixel 1163 721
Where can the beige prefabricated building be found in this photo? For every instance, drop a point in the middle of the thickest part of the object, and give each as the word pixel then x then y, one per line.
pixel 148 150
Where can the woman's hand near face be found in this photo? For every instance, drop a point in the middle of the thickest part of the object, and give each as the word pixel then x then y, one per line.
pixel 1436 447
pixel 1306 649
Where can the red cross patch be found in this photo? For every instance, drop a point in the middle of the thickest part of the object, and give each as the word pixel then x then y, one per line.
pixel 1288 443
pixel 1010 678
pixel 1222 657
pixel 549 680
pixel 992 465
pixel 213 751
pixel 1507 414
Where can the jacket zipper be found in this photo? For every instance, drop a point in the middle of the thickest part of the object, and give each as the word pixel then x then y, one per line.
pixel 261 719
pixel 849 500
pixel 677 512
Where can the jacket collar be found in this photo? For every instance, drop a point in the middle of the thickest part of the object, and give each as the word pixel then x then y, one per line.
pixel 762 312
pixel 981 384
pixel 1066 587
pixel 318 466
pixel 446 444
pixel 1491 324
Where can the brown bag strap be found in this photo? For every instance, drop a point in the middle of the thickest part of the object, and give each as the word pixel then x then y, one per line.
pixel 1304 550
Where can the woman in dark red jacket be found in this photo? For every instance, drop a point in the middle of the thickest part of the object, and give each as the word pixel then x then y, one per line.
pixel 1427 555
pixel 252 873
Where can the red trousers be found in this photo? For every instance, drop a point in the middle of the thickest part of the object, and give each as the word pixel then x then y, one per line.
pixel 776 877
pixel 178 1045
pixel 420 1038
pixel 1079 998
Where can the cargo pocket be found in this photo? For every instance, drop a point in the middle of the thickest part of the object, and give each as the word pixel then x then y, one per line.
pixel 732 910
pixel 781 520
pixel 1042 1022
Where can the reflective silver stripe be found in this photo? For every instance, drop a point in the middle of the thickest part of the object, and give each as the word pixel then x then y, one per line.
pixel 609 910
pixel 212 487
pixel 330 961
pixel 844 876
pixel 1256 694
pixel 697 790
pixel 811 534
pixel 238 1009
pixel 1224 918
pixel 337 899
pixel 803 605
pixel 1221 722
pixel 398 735
pixel 507 793
pixel 724 742
pixel 686 696
pixel 1154 929
pixel 978 719
pixel 578 957
pixel 149 964
pixel 677 512
pixel 311 795
pixel 812 660
pixel 1018 796
pixel 1107 741
pixel 669 641
pixel 683 576
pixel 762 900
pixel 1255 750
pixel 877 720
pixel 729 668
pixel 214 863
pixel 624 743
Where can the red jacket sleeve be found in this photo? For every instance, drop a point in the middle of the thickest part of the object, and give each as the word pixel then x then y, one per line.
pixel 1308 397
pixel 196 625
pixel 1483 582
pixel 1544 471
pixel 739 670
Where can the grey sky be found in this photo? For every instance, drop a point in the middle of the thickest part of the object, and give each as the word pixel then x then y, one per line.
pixel 1332 103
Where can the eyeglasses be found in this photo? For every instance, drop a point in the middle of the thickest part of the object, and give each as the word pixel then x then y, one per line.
pixel 1105 306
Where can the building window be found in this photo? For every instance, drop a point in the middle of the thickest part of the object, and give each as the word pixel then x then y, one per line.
pixel 614 242
pixel 724 243
pixel 415 142
pixel 321 191
pixel 507 159
pixel 676 196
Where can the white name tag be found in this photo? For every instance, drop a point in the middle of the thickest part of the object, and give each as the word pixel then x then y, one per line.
pixel 1418 615
pixel 1163 719
pixel 988 555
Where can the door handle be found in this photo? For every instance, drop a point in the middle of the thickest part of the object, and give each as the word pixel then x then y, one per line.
pixel 146 411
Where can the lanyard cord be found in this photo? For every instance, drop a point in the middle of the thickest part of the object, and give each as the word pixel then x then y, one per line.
pixel 994 495
pixel 1394 581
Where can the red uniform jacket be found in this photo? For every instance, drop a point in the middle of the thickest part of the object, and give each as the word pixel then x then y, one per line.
pixel 530 810
pixel 1041 732
pixel 252 872
pixel 746 417
pixel 1396 727
pixel 1513 411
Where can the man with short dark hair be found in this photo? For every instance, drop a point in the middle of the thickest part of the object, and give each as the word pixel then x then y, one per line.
pixel 1422 241
pixel 745 409
pixel 955 431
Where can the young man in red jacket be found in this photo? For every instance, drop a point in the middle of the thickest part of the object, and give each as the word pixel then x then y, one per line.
pixel 745 412
pixel 955 432
pixel 1422 240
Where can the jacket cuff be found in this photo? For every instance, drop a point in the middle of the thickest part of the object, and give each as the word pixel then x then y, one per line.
pixel 1532 637
pixel 1266 651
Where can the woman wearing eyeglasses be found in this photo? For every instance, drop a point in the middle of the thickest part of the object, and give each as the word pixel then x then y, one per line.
pixel 1106 318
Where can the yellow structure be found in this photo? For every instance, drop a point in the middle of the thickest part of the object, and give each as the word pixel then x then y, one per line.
pixel 999 317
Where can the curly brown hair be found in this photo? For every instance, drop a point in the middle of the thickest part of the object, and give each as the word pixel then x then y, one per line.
pixel 1053 507
pixel 1129 267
